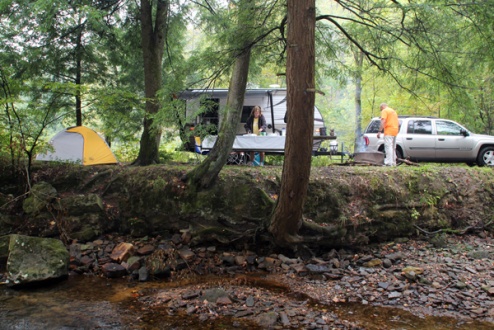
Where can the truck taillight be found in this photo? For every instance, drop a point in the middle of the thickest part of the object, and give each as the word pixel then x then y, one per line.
pixel 366 140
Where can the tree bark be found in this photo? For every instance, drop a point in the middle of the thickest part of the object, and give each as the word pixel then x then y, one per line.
pixel 359 60
pixel 204 175
pixel 78 79
pixel 152 44
pixel 287 217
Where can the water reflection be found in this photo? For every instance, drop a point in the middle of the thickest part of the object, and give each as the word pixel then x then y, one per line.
pixel 78 303
pixel 87 302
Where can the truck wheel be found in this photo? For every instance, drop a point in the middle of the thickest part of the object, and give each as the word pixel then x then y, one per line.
pixel 399 154
pixel 486 156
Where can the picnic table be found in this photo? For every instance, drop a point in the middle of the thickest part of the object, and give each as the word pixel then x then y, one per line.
pixel 269 143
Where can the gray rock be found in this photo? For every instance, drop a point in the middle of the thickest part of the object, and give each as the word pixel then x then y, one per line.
pixel 285 321
pixel 191 294
pixel 133 263
pixel 244 313
pixel 112 270
pixel 267 320
pixel 249 302
pixel 33 259
pixel 40 196
pixel 479 254
pixel 87 218
pixel 387 263
pixel 318 269
pixel 212 295
pixel 287 260
pixel 394 256
pixel 79 205
pixel 186 254
pixel 394 295
pixel 143 274
pixel 75 251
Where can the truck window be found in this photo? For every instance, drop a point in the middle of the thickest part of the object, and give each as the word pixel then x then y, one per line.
pixel 374 126
pixel 419 127
pixel 447 128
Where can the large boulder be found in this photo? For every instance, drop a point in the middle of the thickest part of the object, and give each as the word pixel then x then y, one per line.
pixel 40 197
pixel 80 216
pixel 35 259
pixel 84 216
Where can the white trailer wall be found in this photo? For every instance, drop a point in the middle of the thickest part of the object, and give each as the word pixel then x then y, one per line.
pixel 262 97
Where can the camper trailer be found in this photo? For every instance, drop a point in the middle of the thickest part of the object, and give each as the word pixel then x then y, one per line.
pixel 212 101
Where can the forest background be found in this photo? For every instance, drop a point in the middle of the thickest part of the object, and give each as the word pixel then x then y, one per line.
pixel 117 66
pixel 66 63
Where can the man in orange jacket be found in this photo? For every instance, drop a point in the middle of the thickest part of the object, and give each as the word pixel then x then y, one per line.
pixel 389 126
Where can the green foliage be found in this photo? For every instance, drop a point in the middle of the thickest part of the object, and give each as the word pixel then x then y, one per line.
pixel 414 214
pixel 218 41
pixel 421 57
pixel 30 108
pixel 126 152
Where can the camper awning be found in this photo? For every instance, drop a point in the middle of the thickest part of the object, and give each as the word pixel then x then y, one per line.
pixel 193 93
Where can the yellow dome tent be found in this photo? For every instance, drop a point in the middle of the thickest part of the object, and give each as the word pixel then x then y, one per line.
pixel 79 144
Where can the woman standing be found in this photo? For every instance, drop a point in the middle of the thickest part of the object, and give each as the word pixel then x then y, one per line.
pixel 256 123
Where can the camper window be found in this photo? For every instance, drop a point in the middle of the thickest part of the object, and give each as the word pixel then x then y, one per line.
pixel 247 109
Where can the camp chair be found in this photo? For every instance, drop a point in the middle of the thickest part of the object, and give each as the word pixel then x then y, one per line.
pixel 198 148
pixel 236 158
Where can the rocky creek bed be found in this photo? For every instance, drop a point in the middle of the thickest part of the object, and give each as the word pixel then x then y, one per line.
pixel 446 276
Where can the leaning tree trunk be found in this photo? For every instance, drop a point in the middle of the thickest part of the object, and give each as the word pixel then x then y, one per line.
pixel 206 173
pixel 287 217
pixel 152 42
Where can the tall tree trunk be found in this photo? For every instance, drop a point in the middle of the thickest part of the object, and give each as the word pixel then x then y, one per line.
pixel 359 60
pixel 78 78
pixel 287 217
pixel 152 43
pixel 206 173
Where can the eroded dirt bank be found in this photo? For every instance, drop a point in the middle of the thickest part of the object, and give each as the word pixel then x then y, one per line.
pixel 353 205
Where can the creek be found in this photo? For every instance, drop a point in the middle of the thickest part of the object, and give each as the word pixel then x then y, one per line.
pixel 90 302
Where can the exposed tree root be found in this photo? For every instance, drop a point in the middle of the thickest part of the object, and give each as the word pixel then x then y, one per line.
pixel 460 232
pixel 96 177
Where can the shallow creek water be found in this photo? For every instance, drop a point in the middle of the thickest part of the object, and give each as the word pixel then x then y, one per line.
pixel 86 302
